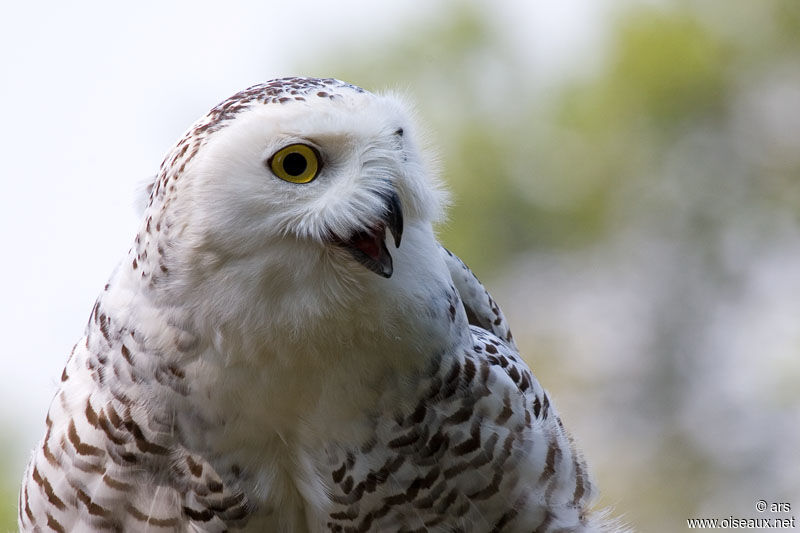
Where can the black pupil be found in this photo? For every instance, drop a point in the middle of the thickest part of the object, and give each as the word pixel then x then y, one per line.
pixel 295 164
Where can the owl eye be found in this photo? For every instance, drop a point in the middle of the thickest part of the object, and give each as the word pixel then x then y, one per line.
pixel 296 163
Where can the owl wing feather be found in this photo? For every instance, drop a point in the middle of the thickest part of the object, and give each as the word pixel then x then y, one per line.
pixel 482 311
pixel 112 461
pixel 482 447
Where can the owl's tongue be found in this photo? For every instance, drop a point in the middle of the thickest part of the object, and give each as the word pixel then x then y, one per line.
pixel 369 248
pixel 369 243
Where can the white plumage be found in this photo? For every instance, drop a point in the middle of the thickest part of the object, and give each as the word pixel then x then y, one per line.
pixel 287 347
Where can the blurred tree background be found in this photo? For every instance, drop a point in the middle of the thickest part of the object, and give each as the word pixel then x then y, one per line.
pixel 638 222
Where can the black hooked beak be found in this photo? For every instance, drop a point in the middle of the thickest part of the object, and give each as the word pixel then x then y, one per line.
pixel 368 246
pixel 394 217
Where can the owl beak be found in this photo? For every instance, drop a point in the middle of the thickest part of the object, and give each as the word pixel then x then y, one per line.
pixel 394 217
pixel 368 246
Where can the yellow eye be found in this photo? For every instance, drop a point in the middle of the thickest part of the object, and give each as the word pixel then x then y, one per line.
pixel 297 163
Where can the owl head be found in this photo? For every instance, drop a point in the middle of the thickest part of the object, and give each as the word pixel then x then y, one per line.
pixel 295 181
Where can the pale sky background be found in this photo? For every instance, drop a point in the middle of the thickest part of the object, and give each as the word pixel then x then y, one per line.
pixel 96 93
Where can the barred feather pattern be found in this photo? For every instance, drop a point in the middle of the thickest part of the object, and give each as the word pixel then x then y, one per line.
pixel 479 409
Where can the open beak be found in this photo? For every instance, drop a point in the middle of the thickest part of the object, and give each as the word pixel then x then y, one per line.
pixel 368 246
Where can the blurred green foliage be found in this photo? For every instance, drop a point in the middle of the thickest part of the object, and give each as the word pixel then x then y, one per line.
pixel 9 480
pixel 664 69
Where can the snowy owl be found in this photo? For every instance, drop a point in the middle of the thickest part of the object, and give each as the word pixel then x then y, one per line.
pixel 287 347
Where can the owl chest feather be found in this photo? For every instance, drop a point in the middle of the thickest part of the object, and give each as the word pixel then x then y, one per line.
pixel 271 416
